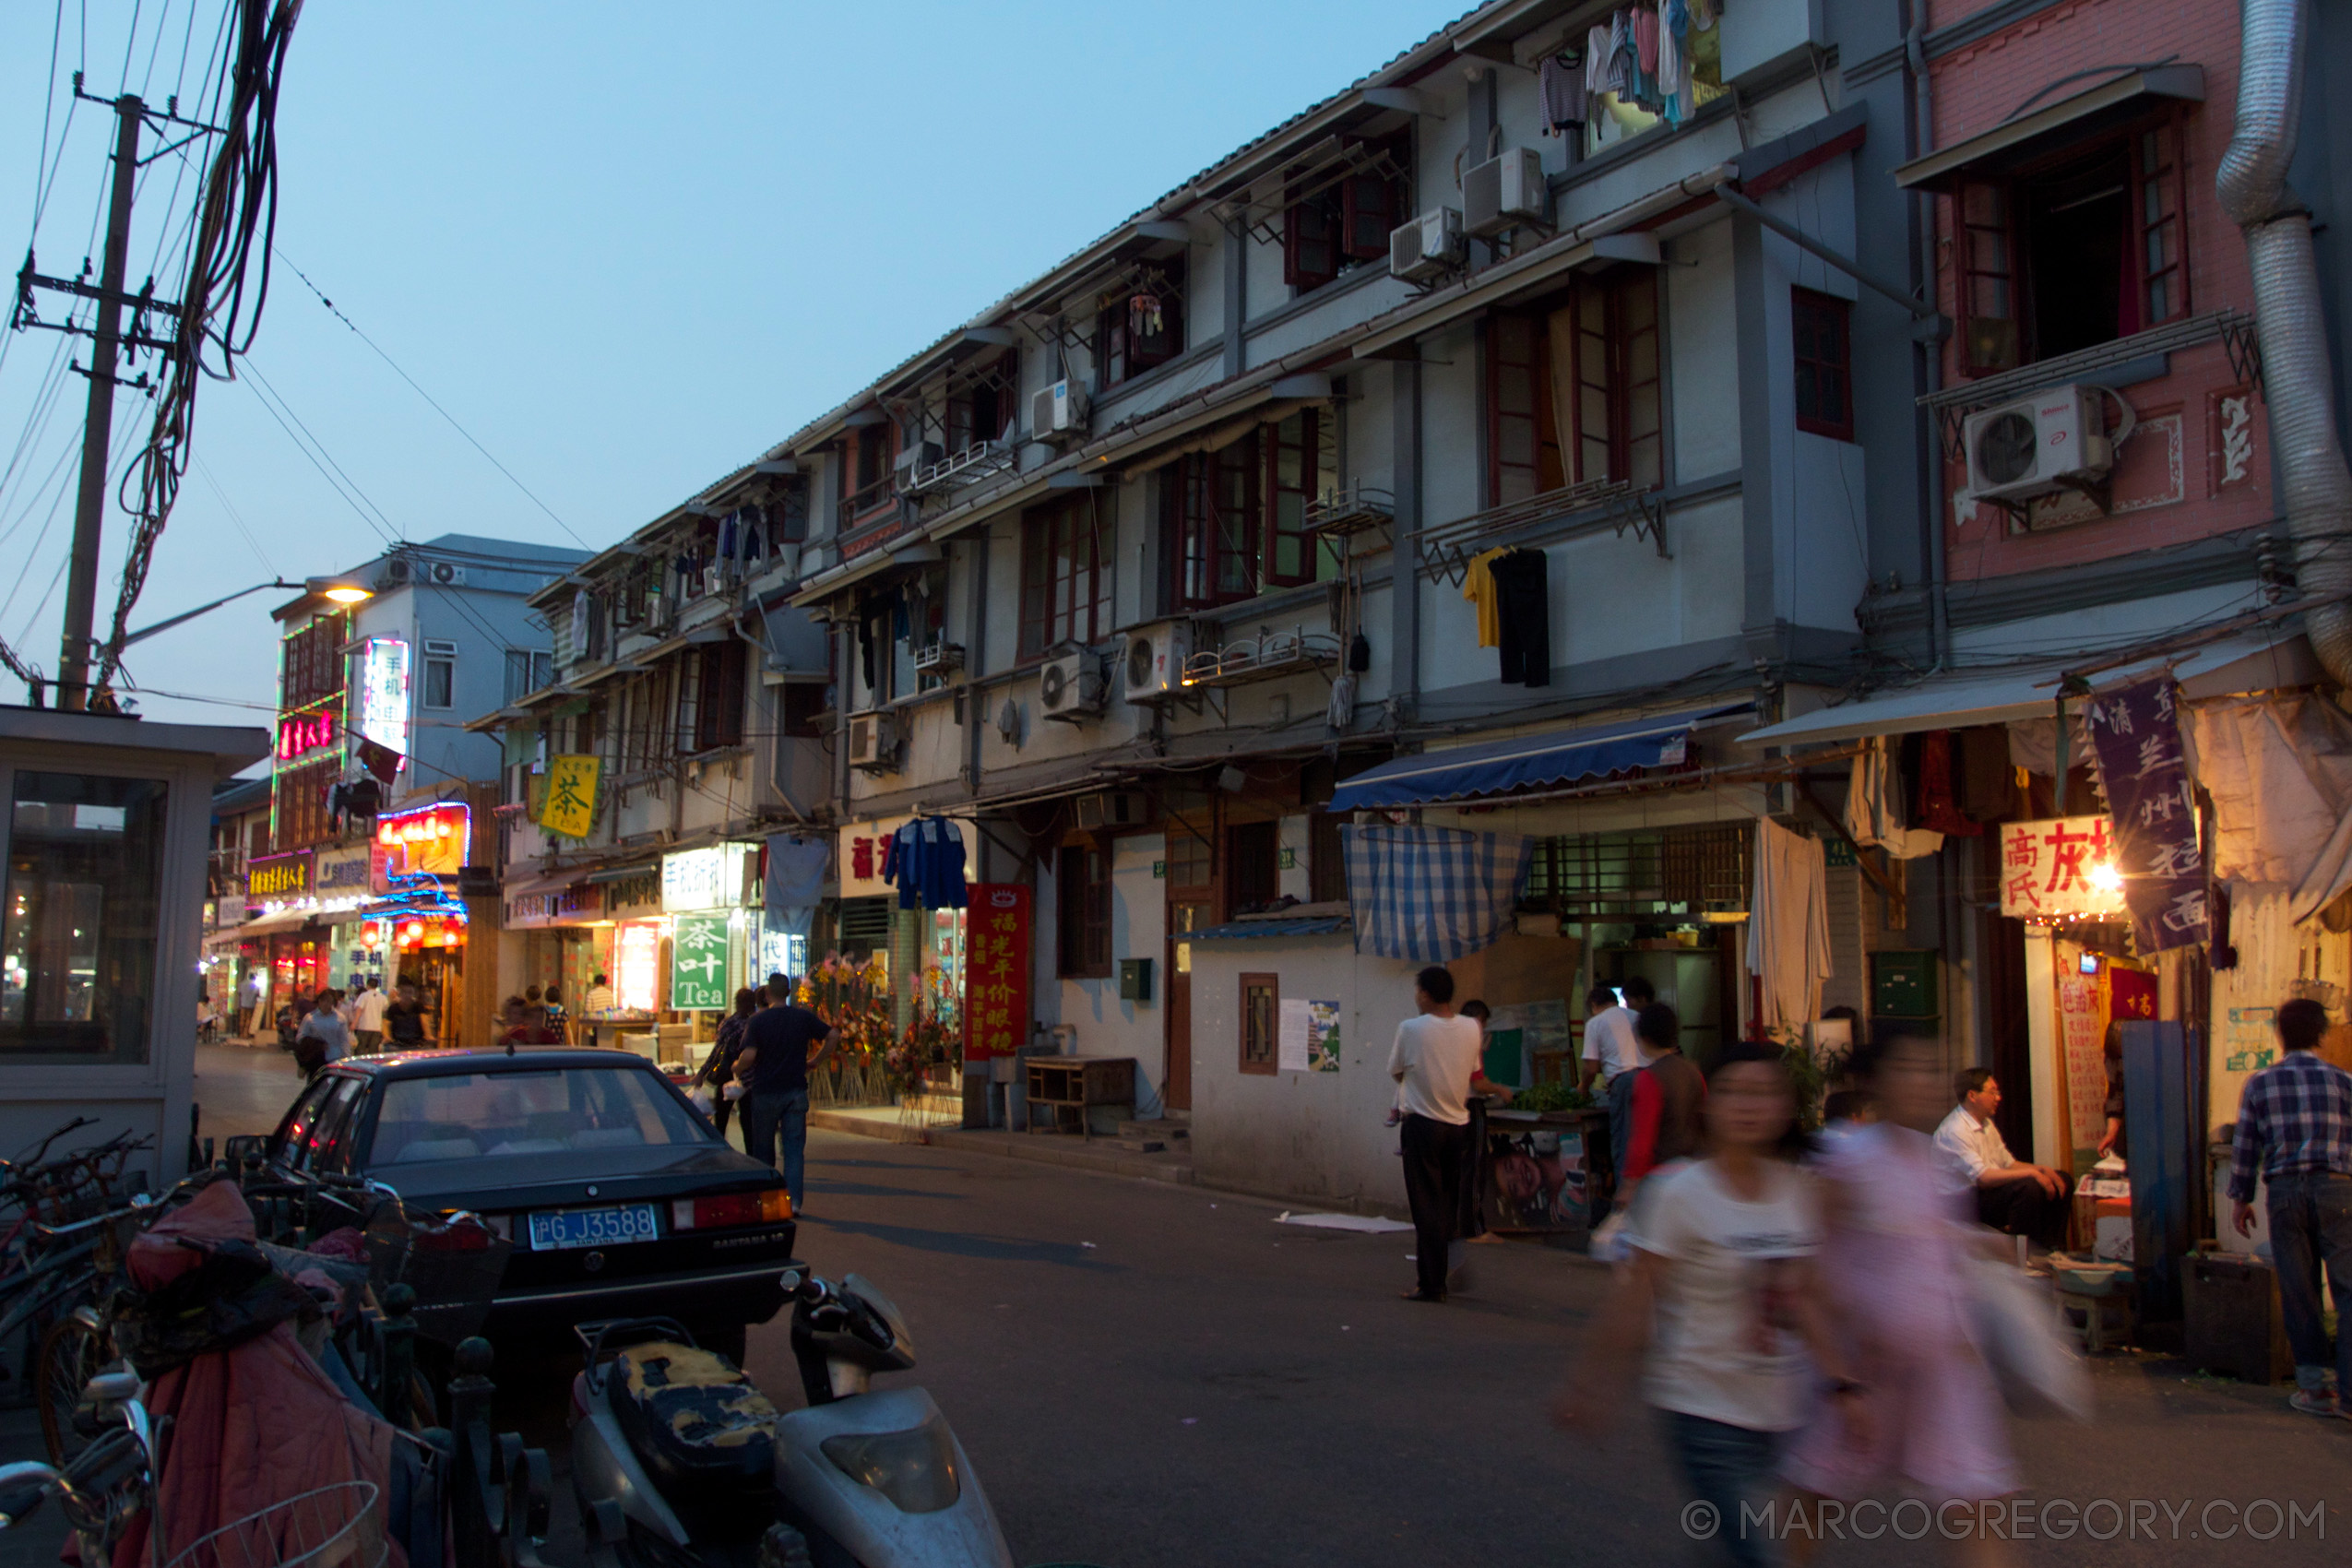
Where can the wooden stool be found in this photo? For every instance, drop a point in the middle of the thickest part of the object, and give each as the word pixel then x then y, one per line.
pixel 2094 1310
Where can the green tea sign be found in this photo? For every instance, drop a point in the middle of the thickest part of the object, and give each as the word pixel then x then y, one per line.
pixel 698 962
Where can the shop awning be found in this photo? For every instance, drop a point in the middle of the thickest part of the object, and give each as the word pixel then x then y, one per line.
pixel 1525 762
pixel 1250 930
pixel 623 873
pixel 1960 700
pixel 270 925
pixel 2026 137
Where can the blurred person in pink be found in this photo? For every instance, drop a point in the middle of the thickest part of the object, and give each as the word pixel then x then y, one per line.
pixel 1891 1267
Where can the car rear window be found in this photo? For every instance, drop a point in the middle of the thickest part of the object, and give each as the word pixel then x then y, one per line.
pixel 464 1115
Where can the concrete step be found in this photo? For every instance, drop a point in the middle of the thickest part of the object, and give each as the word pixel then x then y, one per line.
pixel 1152 1135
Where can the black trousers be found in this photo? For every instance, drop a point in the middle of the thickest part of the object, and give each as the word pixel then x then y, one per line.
pixel 1523 606
pixel 1434 1160
pixel 2022 1208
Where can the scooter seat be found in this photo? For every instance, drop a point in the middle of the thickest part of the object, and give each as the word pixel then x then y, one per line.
pixel 692 1417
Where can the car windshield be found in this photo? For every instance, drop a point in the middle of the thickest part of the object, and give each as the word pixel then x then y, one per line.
pixel 462 1115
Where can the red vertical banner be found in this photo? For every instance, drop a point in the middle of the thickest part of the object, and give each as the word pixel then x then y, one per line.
pixel 996 971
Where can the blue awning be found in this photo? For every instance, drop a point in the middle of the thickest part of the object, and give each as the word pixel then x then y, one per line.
pixel 1526 762
pixel 1236 930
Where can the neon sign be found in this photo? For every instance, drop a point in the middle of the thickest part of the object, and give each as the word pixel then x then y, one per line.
pixel 383 693
pixel 300 733
pixel 431 841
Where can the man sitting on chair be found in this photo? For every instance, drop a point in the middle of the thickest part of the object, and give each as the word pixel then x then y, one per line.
pixel 2015 1196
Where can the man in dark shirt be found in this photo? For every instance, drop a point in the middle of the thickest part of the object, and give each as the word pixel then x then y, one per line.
pixel 789 1040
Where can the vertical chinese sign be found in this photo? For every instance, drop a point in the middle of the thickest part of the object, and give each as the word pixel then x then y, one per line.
pixel 996 971
pixel 569 808
pixel 698 962
pixel 2145 775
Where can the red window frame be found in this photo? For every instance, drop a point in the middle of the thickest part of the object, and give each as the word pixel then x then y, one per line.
pixel 982 412
pixel 1082 908
pixel 1618 421
pixel 868 480
pixel 1522 433
pixel 1210 509
pixel 1294 454
pixel 1820 333
pixel 1323 229
pixel 1991 318
pixel 2159 250
pixel 1066 582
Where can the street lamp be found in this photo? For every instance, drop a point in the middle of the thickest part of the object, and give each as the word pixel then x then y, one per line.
pixel 341 591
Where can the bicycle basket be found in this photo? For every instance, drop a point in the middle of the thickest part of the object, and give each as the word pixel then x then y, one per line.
pixel 332 1526
pixel 453 1262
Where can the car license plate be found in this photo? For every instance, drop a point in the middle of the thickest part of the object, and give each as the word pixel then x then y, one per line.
pixel 554 1230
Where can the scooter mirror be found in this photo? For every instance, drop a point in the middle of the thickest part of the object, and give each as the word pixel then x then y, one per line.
pixel 792 1281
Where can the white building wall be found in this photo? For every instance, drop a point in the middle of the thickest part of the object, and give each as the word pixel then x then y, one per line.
pixel 1106 1025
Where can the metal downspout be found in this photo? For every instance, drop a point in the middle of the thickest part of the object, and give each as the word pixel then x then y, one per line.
pixel 1923 111
pixel 2316 488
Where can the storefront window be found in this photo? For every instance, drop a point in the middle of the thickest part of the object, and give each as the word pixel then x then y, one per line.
pixel 78 941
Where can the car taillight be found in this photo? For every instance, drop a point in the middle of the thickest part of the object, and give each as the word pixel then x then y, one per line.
pixel 730 1208
pixel 462 1232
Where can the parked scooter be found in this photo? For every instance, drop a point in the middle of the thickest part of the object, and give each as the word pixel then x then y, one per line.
pixel 680 1461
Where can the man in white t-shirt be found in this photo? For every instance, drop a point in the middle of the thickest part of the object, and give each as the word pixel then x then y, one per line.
pixel 1614 1055
pixel 367 1019
pixel 1435 1064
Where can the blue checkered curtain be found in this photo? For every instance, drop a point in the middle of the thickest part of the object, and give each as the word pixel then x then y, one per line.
pixel 1431 894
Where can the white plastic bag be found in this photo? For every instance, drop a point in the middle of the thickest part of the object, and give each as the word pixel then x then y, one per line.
pixel 1608 1243
pixel 735 1088
pixel 700 1098
pixel 2023 1340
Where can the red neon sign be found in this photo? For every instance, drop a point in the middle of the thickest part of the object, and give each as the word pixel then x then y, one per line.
pixel 300 733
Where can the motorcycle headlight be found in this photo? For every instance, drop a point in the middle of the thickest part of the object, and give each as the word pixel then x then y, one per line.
pixel 915 1469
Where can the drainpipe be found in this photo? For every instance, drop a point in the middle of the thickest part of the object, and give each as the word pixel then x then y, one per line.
pixel 2315 486
pixel 1923 143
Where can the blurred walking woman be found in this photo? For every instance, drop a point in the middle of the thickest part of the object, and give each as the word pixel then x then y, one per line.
pixel 1722 1265
pixel 719 1067
pixel 1897 1229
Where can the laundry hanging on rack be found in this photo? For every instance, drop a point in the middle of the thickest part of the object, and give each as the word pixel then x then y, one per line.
pixel 1561 86
pixel 924 859
pixel 1523 609
pixel 1477 587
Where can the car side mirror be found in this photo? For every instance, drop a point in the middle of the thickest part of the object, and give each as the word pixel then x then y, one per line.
pixel 243 1149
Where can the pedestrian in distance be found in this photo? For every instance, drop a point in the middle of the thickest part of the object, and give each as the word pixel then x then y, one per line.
pixel 367 1019
pixel 2294 1134
pixel 1436 1063
pixel 322 1037
pixel 2011 1195
pixel 1893 1269
pixel 1664 1103
pixel 789 1040
pixel 1612 1055
pixel 717 1069
pixel 1719 1310
pixel 520 1025
pixel 599 997
pixel 404 1021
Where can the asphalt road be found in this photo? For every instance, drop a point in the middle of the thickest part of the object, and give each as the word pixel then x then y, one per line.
pixel 1147 1375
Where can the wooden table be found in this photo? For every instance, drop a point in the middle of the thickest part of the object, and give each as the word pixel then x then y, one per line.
pixel 1077 1084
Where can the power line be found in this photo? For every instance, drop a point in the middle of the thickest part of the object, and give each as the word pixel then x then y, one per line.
pixel 428 397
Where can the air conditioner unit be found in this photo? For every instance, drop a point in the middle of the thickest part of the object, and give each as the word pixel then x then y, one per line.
pixel 396 572
pixel 918 455
pixel 1504 192
pixel 2053 440
pixel 939 658
pixel 1113 808
pixel 1058 412
pixel 1429 246
pixel 1153 669
pixel 442 574
pixel 873 741
pixel 1071 688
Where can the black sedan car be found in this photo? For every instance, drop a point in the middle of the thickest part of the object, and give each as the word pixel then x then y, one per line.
pixel 617 1197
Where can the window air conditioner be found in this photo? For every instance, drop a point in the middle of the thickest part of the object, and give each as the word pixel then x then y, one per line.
pixel 1429 246
pixel 1113 808
pixel 1072 687
pixel 1153 669
pixel 2053 440
pixel 873 741
pixel 1504 192
pixel 1058 413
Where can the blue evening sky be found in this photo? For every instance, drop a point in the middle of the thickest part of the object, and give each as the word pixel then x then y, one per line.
pixel 626 245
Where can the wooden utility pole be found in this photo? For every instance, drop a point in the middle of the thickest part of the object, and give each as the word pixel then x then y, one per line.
pixel 98 428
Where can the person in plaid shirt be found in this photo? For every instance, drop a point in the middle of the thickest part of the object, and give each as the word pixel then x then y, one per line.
pixel 2295 1130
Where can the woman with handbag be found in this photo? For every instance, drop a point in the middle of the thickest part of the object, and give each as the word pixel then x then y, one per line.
pixel 1897 1260
pixel 717 1069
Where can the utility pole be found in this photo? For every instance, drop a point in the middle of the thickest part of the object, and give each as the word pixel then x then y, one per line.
pixel 98 428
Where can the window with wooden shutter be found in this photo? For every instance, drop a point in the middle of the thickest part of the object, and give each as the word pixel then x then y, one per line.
pixel 1990 336
pixel 1081 911
pixel 1066 582
pixel 718 696
pixel 1619 423
pixel 1301 463
pixel 1818 334
pixel 1367 212
pixel 1523 445
pixel 2160 194
pixel 1216 526
pixel 1311 241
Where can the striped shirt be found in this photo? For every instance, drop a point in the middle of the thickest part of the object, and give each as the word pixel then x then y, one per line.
pixel 2294 1117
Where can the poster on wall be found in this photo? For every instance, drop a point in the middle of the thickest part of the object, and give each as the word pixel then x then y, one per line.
pixel 996 971
pixel 2082 1033
pixel 1322 1036
pixel 698 964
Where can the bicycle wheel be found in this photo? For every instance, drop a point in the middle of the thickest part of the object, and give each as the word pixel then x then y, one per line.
pixel 72 1352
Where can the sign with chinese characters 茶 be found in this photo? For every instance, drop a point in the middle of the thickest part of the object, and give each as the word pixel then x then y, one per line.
pixel 996 971
pixel 568 809
pixel 698 962
pixel 2059 870
pixel 2144 772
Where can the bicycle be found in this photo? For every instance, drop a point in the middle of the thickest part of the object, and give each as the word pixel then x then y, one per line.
pixel 106 1485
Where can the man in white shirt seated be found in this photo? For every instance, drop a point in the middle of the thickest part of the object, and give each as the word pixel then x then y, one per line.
pixel 2015 1196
